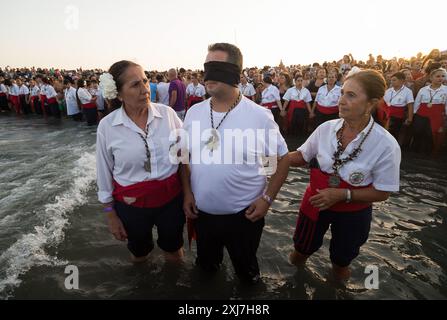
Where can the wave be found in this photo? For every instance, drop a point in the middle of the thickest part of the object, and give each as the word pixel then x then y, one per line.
pixel 30 250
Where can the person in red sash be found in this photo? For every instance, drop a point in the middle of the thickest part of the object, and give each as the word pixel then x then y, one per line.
pixel 14 97
pixel 34 97
pixel 23 97
pixel 137 183
pixel 51 98
pixel 354 162
pixel 325 106
pixel 430 114
pixel 87 103
pixel 297 105
pixel 195 92
pixel 271 98
pixel 399 105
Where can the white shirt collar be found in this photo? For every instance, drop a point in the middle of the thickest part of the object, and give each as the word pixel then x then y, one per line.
pixel 122 118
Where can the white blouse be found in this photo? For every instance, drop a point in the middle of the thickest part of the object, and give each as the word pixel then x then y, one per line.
pixel 121 153
pixel 378 163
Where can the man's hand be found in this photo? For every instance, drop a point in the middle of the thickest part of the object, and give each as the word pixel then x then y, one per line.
pixel 189 206
pixel 257 210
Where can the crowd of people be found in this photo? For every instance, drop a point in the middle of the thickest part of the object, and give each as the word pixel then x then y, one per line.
pixel 301 97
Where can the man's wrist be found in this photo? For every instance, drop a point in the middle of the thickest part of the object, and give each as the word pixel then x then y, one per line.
pixel 267 199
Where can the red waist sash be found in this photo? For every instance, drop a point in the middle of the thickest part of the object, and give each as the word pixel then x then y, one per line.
pixel 435 114
pixel 193 99
pixel 2 94
pixel 148 194
pixel 90 105
pixel 51 100
pixel 396 112
pixel 320 180
pixel 270 105
pixel 294 104
pixel 327 110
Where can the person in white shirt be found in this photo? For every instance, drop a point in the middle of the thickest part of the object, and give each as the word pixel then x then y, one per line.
pixel 137 183
pixel 13 95
pixel 271 98
pixel 100 102
pixel 247 88
pixel 399 105
pixel 227 200
pixel 23 97
pixel 430 108
pixel 326 102
pixel 162 90
pixel 71 101
pixel 297 105
pixel 354 162
pixel 51 99
pixel 34 97
pixel 195 92
pixel 87 103
pixel 3 96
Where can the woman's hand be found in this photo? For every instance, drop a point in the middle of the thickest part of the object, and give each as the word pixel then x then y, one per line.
pixel 189 206
pixel 116 226
pixel 326 198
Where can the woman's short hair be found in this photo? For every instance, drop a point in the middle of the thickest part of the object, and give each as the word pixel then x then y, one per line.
pixel 371 81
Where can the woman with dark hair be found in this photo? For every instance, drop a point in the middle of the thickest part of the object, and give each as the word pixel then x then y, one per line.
pixel 326 102
pixel 316 84
pixel 271 98
pixel 430 114
pixel 399 105
pixel 87 103
pixel 137 180
pixel 354 162
pixel 50 98
pixel 3 96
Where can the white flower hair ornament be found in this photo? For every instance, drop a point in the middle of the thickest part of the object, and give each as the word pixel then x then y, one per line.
pixel 353 71
pixel 108 86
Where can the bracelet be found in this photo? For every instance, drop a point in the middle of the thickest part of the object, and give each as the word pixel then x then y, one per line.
pixel 108 209
pixel 348 196
pixel 267 199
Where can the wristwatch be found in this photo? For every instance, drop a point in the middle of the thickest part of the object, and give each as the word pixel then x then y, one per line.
pixel 348 195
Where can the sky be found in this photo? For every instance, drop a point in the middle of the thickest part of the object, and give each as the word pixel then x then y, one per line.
pixel 173 33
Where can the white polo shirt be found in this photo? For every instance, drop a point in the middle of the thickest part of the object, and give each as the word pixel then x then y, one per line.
pixel 14 90
pixel 23 89
pixel 163 93
pixel 328 99
pixel 43 89
pixel 99 99
pixel 378 163
pixel 35 91
pixel 72 103
pixel 50 92
pixel 427 95
pixel 198 91
pixel 222 184
pixel 398 98
pixel 270 94
pixel 296 94
pixel 247 89
pixel 121 153
pixel 84 96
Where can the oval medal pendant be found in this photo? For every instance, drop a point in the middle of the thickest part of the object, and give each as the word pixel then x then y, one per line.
pixel 334 181
pixel 147 166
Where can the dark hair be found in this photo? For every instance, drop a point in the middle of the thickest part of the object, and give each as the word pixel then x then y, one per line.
pixel 399 75
pixel 268 80
pixel 160 78
pixel 289 82
pixel 117 70
pixel 298 75
pixel 234 54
